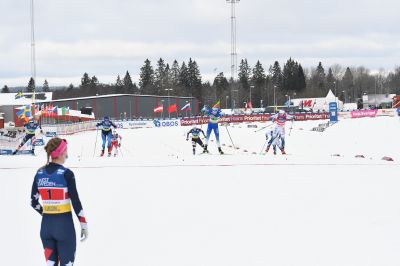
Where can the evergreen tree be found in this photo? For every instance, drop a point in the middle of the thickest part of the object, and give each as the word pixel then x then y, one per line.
pixel 70 87
pixel 94 82
pixel 31 85
pixel 184 80
pixel 330 80
pixel 348 83
pixel 301 79
pixel 174 75
pixel 194 79
pixel 276 83
pixel 85 81
pixel 119 85
pixel 127 84
pixel 318 80
pixel 259 82
pixel 221 86
pixel 5 89
pixel 288 76
pixel 146 81
pixel 160 77
pixel 46 87
pixel 244 76
pixel 167 81
pixel 276 75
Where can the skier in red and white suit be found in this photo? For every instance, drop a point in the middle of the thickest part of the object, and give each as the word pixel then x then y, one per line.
pixel 115 142
pixel 280 120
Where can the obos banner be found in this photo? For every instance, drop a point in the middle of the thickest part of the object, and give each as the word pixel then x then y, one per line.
pixel 167 123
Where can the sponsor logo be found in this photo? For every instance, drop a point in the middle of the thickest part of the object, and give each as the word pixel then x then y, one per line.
pixel 363 113
pixel 173 123
pixel 307 103
pixel 132 124
pixel 51 134
pixel 44 182
pixel 157 123
pixel 38 142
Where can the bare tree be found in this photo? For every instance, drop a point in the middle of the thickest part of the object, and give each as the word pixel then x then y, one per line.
pixel 338 71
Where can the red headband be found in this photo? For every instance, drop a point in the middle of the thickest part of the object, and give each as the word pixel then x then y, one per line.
pixel 60 149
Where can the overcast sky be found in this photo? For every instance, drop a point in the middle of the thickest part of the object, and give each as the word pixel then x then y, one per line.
pixel 105 38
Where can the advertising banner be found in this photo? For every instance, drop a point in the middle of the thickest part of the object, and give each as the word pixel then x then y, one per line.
pixel 363 113
pixel 252 118
pixel 134 124
pixel 167 123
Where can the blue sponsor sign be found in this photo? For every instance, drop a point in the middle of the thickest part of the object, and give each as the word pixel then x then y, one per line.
pixel 333 112
pixel 166 123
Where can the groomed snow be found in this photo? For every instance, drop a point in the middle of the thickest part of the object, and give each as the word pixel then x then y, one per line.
pixel 157 204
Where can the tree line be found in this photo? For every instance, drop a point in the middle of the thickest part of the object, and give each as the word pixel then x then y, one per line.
pixel 263 87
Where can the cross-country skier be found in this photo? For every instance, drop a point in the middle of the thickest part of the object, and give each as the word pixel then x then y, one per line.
pixel 30 130
pixel 195 131
pixel 56 187
pixel 280 120
pixel 273 139
pixel 115 141
pixel 214 114
pixel 106 134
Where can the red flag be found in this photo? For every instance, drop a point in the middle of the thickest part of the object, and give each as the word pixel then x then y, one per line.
pixel 159 109
pixel 172 108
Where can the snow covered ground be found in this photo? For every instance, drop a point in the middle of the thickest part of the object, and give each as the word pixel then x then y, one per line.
pixel 157 204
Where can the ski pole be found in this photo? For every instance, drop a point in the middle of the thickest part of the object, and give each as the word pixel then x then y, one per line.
pixel 263 147
pixel 95 144
pixel 291 127
pixel 263 128
pixel 120 151
pixel 230 137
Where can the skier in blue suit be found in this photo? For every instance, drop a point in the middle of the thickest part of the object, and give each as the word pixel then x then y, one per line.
pixel 214 114
pixel 106 134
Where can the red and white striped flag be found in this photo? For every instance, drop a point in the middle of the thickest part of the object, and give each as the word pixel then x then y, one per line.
pixel 159 109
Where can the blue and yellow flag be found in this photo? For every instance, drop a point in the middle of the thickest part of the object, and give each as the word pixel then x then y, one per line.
pixel 25 112
pixel 19 95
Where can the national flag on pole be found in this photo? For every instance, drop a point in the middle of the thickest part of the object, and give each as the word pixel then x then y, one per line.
pixel 186 107
pixel 172 108
pixel 64 110
pixel 25 112
pixel 159 109
pixel 217 104
pixel 19 95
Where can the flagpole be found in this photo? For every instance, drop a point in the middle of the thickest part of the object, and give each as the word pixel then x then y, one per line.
pixel 33 52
